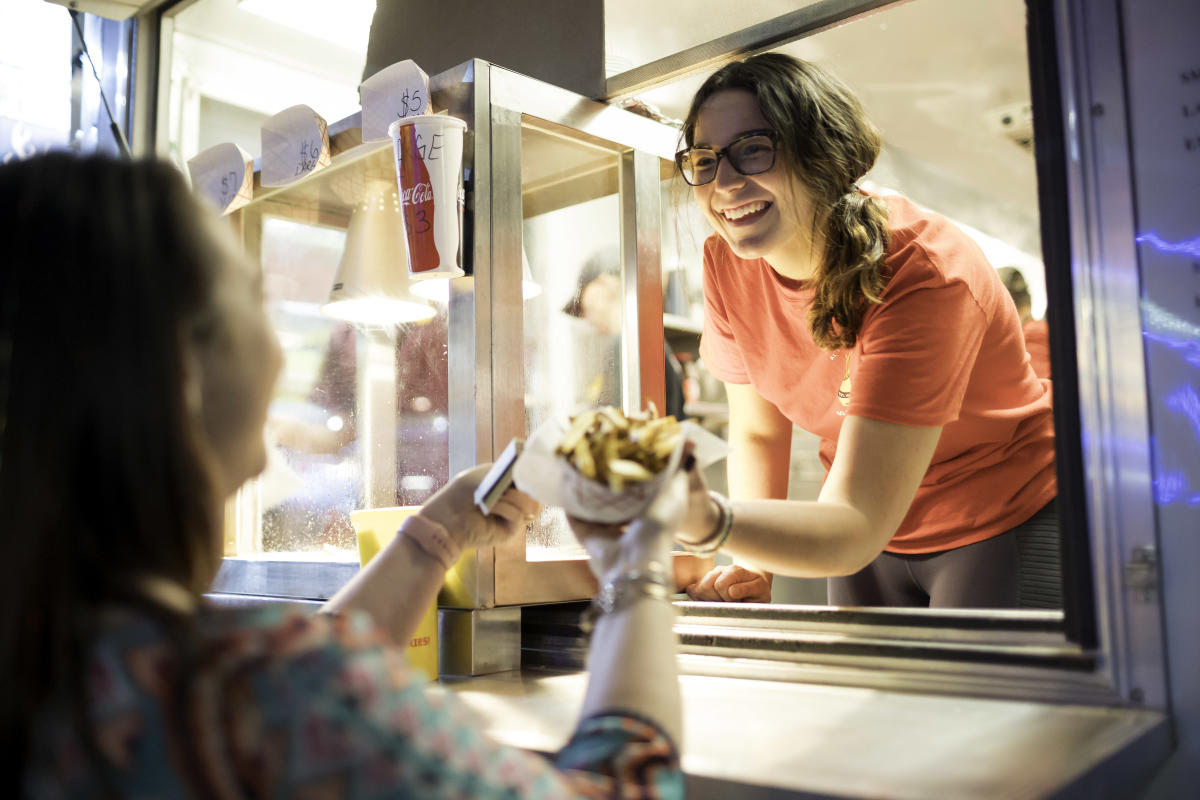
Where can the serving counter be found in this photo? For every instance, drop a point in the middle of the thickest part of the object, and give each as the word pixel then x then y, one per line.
pixel 755 739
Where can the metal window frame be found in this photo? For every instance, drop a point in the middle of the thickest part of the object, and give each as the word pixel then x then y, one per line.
pixel 501 102
pixel 1128 664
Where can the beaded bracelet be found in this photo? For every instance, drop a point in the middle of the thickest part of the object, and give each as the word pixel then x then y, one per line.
pixel 720 535
pixel 433 538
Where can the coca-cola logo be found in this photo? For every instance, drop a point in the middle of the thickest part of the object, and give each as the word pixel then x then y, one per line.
pixel 421 193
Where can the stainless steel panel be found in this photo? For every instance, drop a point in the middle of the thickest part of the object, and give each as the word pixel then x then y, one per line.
pixel 252 601
pixel 508 330
pixel 586 118
pixel 464 92
pixel 815 741
pixel 759 38
pixel 479 641
pixel 643 342
pixel 312 580
pixel 1113 410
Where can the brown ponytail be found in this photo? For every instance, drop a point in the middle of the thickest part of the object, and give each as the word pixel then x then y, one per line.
pixel 828 143
pixel 851 276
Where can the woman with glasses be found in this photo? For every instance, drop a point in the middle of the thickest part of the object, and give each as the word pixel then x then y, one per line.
pixel 878 326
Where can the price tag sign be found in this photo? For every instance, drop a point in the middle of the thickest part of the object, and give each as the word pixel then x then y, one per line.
pixel 224 173
pixel 396 92
pixel 295 143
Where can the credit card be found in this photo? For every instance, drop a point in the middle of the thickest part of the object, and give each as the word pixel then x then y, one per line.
pixel 499 477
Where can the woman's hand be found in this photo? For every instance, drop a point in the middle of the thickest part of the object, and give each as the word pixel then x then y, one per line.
pixel 732 583
pixel 640 542
pixel 453 507
pixel 700 519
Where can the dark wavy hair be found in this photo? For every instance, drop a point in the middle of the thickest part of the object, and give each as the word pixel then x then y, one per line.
pixel 107 271
pixel 829 144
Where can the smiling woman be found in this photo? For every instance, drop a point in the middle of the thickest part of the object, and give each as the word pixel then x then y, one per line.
pixel 888 335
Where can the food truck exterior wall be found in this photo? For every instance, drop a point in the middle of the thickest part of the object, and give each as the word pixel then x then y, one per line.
pixel 1162 86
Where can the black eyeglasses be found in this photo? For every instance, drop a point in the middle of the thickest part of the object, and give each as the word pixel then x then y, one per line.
pixel 749 154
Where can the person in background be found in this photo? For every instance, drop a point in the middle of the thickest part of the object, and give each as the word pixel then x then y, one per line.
pixel 881 328
pixel 136 366
pixel 1037 331
pixel 597 301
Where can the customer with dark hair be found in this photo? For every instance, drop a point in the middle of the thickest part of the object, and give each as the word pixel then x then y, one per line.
pixel 880 327
pixel 136 366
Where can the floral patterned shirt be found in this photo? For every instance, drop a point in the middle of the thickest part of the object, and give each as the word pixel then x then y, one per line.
pixel 281 704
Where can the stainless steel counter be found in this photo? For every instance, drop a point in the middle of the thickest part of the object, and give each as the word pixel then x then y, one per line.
pixel 776 739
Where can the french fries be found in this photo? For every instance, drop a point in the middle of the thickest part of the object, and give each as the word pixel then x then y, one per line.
pixel 605 445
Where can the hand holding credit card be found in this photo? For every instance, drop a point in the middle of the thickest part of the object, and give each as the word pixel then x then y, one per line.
pixel 499 478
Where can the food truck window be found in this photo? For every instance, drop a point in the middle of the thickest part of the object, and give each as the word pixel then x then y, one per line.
pixel 949 86
pixel 336 406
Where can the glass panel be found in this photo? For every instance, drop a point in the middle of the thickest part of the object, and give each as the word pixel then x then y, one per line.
pixel 50 99
pixel 359 419
pixel 314 476
pixel 572 236
pixel 216 44
pixel 35 80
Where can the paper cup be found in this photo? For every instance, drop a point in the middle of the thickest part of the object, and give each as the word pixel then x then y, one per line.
pixel 374 528
pixel 428 149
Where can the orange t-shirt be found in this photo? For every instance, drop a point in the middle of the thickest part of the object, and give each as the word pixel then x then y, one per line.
pixel 944 347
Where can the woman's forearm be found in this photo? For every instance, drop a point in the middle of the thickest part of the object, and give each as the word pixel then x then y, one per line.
pixel 632 660
pixel 806 539
pixel 633 664
pixel 396 588
pixel 865 497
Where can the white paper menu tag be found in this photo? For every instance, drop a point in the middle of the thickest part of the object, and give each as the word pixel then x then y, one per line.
pixel 395 92
pixel 224 173
pixel 295 143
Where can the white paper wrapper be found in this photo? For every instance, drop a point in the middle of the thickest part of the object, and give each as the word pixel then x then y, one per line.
pixel 551 479
pixel 295 143
pixel 224 173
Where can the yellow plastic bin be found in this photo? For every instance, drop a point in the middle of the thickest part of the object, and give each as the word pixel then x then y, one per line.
pixel 374 528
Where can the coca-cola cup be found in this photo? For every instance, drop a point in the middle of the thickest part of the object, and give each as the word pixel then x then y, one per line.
pixel 428 150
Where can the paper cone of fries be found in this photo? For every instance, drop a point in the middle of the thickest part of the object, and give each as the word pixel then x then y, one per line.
pixel 604 467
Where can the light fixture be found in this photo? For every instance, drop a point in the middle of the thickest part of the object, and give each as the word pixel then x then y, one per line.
pixel 372 286
pixel 437 290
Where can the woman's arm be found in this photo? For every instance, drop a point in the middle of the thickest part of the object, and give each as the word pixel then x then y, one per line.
pixel 870 486
pixel 626 743
pixel 396 588
pixel 402 580
pixel 760 446
pixel 632 658
pixel 759 464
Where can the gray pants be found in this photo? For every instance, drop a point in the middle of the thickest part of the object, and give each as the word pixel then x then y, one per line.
pixel 1017 569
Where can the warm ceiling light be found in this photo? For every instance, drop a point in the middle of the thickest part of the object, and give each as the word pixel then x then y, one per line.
pixel 372 286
